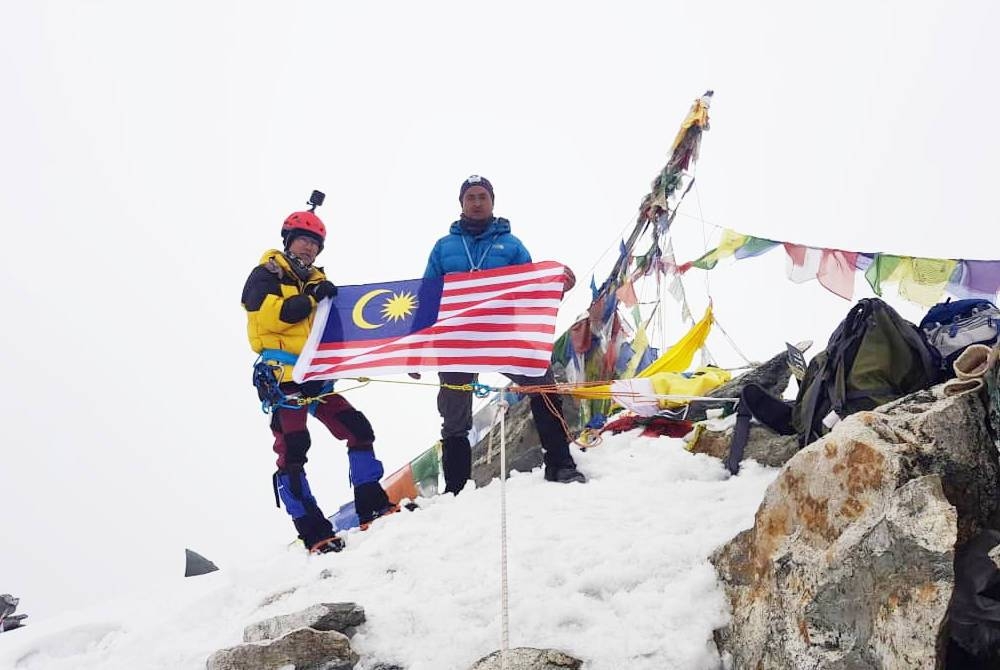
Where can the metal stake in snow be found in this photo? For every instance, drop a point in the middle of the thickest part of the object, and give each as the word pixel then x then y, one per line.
pixel 504 630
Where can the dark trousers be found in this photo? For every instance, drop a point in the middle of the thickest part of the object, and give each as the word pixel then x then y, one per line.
pixel 292 442
pixel 455 408
pixel 291 437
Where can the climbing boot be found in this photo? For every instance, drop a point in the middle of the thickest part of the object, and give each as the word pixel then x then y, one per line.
pixel 332 544
pixel 564 474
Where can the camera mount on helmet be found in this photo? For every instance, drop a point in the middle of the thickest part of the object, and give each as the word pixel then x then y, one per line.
pixel 316 200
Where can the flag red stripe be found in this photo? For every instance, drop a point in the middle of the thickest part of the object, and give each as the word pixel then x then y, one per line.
pixel 420 361
pixel 498 311
pixel 450 291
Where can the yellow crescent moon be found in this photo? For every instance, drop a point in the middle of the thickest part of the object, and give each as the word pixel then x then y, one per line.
pixel 359 319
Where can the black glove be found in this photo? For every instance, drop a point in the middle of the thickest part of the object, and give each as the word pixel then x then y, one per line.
pixel 320 290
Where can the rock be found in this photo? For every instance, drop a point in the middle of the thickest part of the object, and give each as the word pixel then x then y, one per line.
pixel 527 658
pixel 9 620
pixel 303 649
pixel 849 563
pixel 195 564
pixel 763 445
pixel 341 617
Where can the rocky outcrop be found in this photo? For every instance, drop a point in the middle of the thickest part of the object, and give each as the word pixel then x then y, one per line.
pixel 763 445
pixel 312 639
pixel 528 658
pixel 849 563
pixel 302 649
pixel 341 617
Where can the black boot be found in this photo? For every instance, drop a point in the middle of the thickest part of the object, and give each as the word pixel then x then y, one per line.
pixel 292 487
pixel 559 464
pixel 565 474
pixel 315 529
pixel 456 461
pixel 370 501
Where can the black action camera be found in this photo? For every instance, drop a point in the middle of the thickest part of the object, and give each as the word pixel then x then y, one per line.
pixel 316 199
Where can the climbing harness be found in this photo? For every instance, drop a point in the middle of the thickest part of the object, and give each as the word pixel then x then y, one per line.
pixel 267 381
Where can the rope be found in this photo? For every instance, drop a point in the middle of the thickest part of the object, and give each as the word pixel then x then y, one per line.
pixel 303 401
pixel 551 407
pixel 586 439
pixel 484 390
pixel 733 344
pixel 489 444
pixel 504 622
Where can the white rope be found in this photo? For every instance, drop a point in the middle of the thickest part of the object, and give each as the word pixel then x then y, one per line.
pixel 504 623
pixel 732 343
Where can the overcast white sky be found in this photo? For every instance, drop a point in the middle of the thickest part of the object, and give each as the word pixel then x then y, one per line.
pixel 149 152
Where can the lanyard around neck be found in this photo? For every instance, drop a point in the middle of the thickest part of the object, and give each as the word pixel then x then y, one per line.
pixel 475 267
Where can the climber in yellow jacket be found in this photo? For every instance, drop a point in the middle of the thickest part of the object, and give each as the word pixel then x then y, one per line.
pixel 280 297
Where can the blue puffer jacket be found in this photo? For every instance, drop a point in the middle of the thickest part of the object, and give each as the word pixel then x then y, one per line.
pixel 461 251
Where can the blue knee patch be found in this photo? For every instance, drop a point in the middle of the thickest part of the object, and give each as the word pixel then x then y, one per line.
pixel 295 505
pixel 365 467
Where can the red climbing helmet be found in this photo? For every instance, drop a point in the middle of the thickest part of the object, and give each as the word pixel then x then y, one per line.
pixel 303 223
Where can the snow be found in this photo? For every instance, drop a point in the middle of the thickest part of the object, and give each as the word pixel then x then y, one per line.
pixel 614 572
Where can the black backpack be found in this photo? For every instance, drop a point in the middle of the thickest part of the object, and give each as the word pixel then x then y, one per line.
pixel 874 356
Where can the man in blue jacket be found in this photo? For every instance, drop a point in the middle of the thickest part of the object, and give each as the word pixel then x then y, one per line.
pixel 481 241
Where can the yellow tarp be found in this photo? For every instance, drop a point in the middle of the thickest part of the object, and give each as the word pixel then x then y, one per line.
pixel 699 383
pixel 675 359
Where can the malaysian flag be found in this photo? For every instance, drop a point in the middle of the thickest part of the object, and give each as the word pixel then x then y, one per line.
pixel 501 320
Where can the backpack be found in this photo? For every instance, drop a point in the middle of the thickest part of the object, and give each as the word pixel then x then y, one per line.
pixel 951 326
pixel 874 356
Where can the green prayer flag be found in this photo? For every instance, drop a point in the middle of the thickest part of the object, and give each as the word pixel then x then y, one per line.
pixel 425 466
pixel 880 270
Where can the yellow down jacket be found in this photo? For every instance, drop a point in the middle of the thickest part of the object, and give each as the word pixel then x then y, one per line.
pixel 279 314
